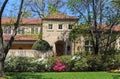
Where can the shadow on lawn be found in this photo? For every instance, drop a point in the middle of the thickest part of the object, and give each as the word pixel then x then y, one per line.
pixel 116 76
pixel 20 75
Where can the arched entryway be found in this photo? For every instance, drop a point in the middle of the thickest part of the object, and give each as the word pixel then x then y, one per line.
pixel 60 48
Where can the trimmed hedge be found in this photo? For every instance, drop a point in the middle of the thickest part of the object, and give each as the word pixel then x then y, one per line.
pixel 41 45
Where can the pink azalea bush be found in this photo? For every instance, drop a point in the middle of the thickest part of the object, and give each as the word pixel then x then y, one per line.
pixel 59 66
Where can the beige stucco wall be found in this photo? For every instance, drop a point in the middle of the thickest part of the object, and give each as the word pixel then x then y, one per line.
pixel 55 34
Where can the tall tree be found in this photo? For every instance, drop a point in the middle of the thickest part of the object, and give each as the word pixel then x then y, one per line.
pixel 54 6
pixel 42 8
pixel 36 7
pixel 5 48
pixel 101 17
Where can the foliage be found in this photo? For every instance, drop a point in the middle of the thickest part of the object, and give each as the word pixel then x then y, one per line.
pixel 50 63
pixel 95 63
pixel 77 31
pixel 41 45
pixel 100 15
pixel 111 61
pixel 79 62
pixel 18 64
pixel 66 60
pixel 24 64
pixel 40 64
pixel 10 64
pixel 42 8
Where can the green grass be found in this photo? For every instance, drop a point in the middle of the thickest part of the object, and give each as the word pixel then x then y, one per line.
pixel 62 75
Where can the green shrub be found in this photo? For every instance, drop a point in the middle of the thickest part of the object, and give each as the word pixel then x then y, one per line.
pixel 79 63
pixel 24 64
pixel 111 62
pixel 40 65
pixel 50 63
pixel 66 60
pixel 95 63
pixel 41 45
pixel 10 64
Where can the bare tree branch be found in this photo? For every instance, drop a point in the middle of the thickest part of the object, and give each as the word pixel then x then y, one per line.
pixel 16 25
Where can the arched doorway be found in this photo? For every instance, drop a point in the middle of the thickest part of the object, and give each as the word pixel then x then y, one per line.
pixel 60 48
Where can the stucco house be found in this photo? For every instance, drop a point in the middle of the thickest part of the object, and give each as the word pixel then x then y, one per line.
pixel 54 29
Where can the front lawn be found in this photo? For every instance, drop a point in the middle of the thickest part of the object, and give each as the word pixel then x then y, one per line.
pixel 62 75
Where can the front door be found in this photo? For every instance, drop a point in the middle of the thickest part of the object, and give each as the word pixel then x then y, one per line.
pixel 60 48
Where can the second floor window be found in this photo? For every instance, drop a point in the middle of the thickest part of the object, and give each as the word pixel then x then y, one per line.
pixel 70 26
pixel 34 30
pixel 60 26
pixel 7 29
pixel 50 26
pixel 21 30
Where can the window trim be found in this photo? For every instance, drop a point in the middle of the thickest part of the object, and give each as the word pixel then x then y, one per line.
pixel 6 31
pixel 34 30
pixel 71 26
pixel 50 27
pixel 21 30
pixel 60 26
pixel 89 46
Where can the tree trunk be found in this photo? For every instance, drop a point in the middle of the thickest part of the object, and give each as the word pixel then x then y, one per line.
pixel 96 50
pixel 74 47
pixel 1 67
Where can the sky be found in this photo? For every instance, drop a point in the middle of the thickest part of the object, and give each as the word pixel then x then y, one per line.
pixel 12 9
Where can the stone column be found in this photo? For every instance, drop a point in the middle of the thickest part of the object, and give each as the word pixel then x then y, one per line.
pixel 66 47
pixel 54 49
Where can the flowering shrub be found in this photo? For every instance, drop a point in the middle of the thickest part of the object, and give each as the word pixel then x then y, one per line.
pixel 59 66
pixel 79 63
pixel 115 71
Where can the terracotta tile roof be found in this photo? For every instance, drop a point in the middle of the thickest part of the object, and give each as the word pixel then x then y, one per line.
pixel 60 16
pixel 20 38
pixel 104 27
pixel 22 21
pixel 115 27
pixel 38 20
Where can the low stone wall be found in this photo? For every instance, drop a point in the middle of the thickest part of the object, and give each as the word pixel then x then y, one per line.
pixel 30 53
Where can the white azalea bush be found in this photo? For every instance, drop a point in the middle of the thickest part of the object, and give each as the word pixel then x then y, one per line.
pixel 24 64
pixel 79 62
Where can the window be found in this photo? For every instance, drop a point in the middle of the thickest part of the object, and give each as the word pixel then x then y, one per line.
pixel 50 26
pixel 21 30
pixel 68 48
pixel 88 46
pixel 60 26
pixel 70 26
pixel 7 29
pixel 34 30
